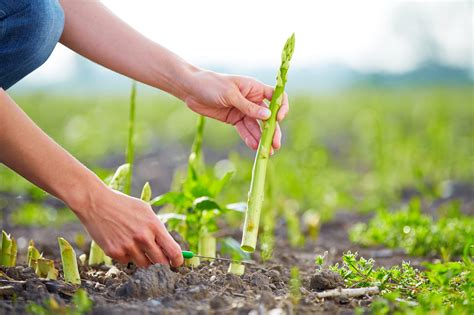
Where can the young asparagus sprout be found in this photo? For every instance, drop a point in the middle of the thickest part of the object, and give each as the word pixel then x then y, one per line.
pixel 257 185
pixel 146 192
pixel 6 254
pixel 236 268
pixel 13 253
pixel 68 258
pixel 33 255
pixel 295 285
pixel 45 268
pixel 130 151
pixel 207 246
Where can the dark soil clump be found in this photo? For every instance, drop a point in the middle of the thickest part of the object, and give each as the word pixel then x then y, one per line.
pixel 326 280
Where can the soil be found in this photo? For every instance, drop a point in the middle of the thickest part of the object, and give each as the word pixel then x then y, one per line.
pixel 208 289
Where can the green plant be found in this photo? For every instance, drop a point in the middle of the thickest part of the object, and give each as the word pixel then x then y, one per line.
pixel 81 304
pixel 8 250
pixel 195 209
pixel 295 285
pixel 417 233
pixel 443 288
pixel 130 151
pixel 257 184
pixel 231 247
pixel 68 258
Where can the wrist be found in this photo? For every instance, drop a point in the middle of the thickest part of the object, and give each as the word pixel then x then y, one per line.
pixel 174 75
pixel 83 196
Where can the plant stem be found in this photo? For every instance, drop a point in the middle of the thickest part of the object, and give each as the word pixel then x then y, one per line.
pixel 236 268
pixel 68 257
pixel 33 254
pixel 257 184
pixel 5 259
pixel 207 246
pixel 130 151
pixel 195 161
pixel 13 253
pixel 146 192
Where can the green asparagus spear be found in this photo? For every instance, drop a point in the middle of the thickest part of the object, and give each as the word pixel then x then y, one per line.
pixel 33 254
pixel 146 192
pixel 5 258
pixel 68 257
pixel 256 193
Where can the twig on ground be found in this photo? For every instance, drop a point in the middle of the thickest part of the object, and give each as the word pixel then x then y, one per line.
pixel 347 292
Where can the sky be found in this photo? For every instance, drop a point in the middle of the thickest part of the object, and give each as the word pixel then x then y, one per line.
pixel 390 36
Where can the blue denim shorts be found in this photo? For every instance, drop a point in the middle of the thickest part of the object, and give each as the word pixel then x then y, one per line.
pixel 29 31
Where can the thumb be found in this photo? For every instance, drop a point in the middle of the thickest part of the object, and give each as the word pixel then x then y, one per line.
pixel 251 109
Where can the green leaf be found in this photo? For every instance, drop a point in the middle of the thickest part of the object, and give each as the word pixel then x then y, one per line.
pixel 218 184
pixel 232 247
pixel 165 217
pixel 238 207
pixel 82 301
pixel 205 203
pixel 172 197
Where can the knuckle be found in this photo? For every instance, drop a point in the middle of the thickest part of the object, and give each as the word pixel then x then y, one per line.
pixel 141 237
pixel 116 253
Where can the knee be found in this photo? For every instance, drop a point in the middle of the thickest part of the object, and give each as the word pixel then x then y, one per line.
pixel 44 30
pixel 31 30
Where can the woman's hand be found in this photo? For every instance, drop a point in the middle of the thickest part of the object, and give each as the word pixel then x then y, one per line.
pixel 127 229
pixel 236 100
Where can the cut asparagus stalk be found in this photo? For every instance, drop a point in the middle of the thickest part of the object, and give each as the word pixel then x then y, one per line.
pixel 33 254
pixel 236 268
pixel 13 253
pixel 6 259
pixel 207 246
pixel 96 254
pixel 146 192
pixel 68 258
pixel 43 266
pixel 257 184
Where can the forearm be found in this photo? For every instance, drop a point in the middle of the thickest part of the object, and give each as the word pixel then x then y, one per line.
pixel 96 33
pixel 26 149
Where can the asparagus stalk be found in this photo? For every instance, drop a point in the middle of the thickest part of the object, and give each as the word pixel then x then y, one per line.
pixel 5 258
pixel 207 246
pixel 257 184
pixel 33 254
pixel 68 258
pixel 130 151
pixel 195 161
pixel 146 192
pixel 13 253
pixel 236 268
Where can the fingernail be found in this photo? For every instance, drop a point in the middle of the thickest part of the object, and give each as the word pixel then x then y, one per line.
pixel 264 113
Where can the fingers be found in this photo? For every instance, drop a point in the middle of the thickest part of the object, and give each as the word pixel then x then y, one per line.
pixel 169 246
pixel 251 109
pixel 276 144
pixel 246 135
pixel 153 251
pixel 138 256
pixel 285 106
pixel 284 109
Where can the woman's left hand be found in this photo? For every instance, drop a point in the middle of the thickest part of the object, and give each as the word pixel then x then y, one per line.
pixel 235 100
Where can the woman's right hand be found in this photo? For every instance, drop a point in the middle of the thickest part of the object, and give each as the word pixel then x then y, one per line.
pixel 127 229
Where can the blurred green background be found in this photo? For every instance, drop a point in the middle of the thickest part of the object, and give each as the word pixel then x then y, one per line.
pixel 357 149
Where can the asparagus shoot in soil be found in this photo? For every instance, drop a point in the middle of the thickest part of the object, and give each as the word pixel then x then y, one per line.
pixel 256 193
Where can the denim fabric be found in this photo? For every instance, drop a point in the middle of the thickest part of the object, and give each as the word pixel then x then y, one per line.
pixel 29 31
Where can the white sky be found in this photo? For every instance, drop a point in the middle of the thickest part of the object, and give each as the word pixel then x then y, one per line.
pixel 366 35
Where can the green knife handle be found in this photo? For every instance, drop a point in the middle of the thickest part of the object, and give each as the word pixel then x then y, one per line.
pixel 187 254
